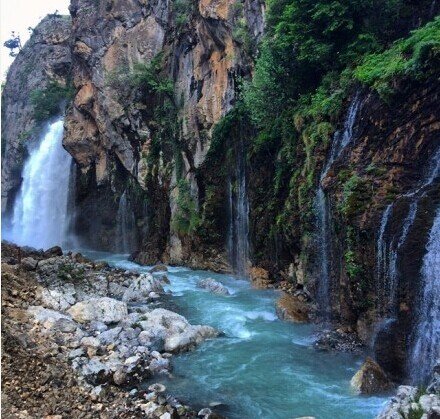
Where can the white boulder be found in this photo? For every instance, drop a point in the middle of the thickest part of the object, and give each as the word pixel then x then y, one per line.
pixel 106 310
pixel 141 287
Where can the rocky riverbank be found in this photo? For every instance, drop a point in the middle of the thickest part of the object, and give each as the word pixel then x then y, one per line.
pixel 81 339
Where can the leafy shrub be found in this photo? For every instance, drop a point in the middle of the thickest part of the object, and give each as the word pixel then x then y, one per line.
pixel 46 102
pixel 186 219
pixel 416 56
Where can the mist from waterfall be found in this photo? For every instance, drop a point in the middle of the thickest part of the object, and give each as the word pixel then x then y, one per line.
pixel 40 214
pixel 125 226
pixel 238 235
pixel 322 208
pixel 425 351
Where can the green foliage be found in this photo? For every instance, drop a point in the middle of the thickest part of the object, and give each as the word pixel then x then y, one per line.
pixel 149 76
pixel 183 10
pixel 416 56
pixel 355 197
pixel 186 219
pixel 69 272
pixel 46 102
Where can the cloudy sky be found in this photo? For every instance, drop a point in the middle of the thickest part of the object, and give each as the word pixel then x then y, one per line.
pixel 18 15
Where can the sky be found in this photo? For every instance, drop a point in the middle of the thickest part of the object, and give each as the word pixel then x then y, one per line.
pixel 18 15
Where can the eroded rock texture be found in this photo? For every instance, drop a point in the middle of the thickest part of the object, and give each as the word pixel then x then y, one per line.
pixel 46 57
pixel 113 128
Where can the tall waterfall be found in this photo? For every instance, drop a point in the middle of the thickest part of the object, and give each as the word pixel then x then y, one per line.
pixel 387 250
pixel 238 235
pixel 426 344
pixel 322 207
pixel 40 216
pixel 125 226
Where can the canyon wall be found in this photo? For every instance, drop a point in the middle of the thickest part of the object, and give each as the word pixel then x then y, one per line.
pixel 156 118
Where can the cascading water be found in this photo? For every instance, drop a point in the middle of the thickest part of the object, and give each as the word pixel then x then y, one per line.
pixel 387 252
pixel 125 226
pixel 426 341
pixel 322 207
pixel 40 216
pixel 238 236
pixel 382 260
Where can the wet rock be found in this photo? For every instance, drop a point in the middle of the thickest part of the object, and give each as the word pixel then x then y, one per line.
pixel 292 308
pixel 53 251
pixel 260 278
pixel 213 286
pixel 29 264
pixel 159 268
pixel 105 309
pixel 157 388
pixel 175 330
pixel 339 340
pixel 370 379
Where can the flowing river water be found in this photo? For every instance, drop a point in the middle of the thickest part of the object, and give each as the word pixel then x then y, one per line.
pixel 262 367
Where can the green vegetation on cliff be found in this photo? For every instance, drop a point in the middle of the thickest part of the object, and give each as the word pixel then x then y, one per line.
pixel 314 56
pixel 47 101
pixel 416 56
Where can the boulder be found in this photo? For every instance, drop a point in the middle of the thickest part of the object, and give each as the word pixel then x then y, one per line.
pixel 141 287
pixel 59 299
pixel 120 377
pixel 177 334
pixel 370 379
pixel 53 251
pixel 190 338
pixel 259 278
pixel 105 310
pixel 48 318
pixel 159 268
pixel 292 308
pixel 213 286
pixel 29 264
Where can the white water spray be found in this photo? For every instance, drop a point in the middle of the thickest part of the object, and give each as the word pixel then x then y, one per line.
pixel 40 216
pixel 426 341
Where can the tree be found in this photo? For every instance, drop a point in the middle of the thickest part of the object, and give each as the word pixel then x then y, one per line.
pixel 13 44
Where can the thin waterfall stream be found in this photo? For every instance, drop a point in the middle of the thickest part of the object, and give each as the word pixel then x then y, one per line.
pixel 388 249
pixel 125 226
pixel 238 235
pixel 340 141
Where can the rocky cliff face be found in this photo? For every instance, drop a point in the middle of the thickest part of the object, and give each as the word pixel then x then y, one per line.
pixel 114 127
pixel 45 58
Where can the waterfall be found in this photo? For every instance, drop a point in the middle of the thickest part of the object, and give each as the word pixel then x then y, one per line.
pixel 125 226
pixel 382 260
pixel 40 216
pixel 322 208
pixel 387 252
pixel 426 340
pixel 238 235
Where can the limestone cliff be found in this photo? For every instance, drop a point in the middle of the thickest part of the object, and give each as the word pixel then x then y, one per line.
pixel 44 58
pixel 113 127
